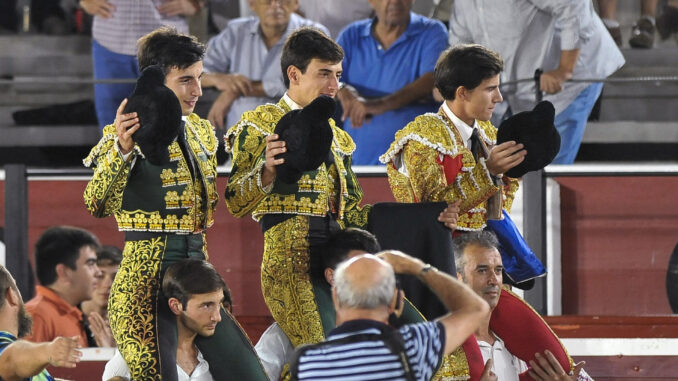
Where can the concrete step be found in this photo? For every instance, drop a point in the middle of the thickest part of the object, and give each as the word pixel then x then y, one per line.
pixel 648 100
pixel 36 45
pixel 616 132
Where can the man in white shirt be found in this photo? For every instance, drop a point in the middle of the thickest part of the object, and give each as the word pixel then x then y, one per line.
pixel 196 306
pixel 479 266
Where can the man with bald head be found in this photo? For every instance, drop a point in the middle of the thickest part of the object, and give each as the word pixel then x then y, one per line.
pixel 364 346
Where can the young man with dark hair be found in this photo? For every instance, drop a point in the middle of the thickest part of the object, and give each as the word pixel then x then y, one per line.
pixel 164 211
pixel 441 157
pixel 196 306
pixel 22 360
pixel 66 268
pixel 295 218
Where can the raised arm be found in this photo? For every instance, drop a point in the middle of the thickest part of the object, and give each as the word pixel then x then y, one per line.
pixel 466 308
pixel 23 359
pixel 112 158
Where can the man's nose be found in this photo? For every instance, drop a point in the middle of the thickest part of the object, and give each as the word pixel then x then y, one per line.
pixel 498 97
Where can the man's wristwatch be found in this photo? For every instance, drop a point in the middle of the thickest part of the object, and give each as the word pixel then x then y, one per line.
pixel 426 269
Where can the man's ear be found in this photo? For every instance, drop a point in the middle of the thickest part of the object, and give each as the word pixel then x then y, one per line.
pixel 460 276
pixel 329 276
pixel 12 296
pixel 63 271
pixel 393 306
pixel 293 74
pixel 334 299
pixel 175 306
pixel 461 93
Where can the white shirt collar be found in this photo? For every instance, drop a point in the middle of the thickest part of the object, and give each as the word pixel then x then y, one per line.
pixel 464 129
pixel 292 104
pixel 200 373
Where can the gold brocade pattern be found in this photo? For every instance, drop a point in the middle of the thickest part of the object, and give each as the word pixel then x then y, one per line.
pixel 416 174
pixel 454 367
pixel 286 284
pixel 132 307
pixel 180 207
pixel 244 194
pixel 111 179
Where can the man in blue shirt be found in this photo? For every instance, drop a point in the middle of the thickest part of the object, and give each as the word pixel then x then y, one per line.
pixel 388 74
pixel 21 359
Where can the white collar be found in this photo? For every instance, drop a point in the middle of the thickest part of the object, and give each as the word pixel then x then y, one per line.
pixel 292 104
pixel 464 129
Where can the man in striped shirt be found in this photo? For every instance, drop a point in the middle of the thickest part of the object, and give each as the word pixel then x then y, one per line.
pixel 364 347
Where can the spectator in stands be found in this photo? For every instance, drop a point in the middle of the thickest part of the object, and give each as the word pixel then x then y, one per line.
pixel 388 74
pixel 564 38
pixel 22 360
pixel 243 61
pixel 196 306
pixel 335 15
pixel 364 295
pixel 118 24
pixel 66 268
pixel 479 266
pixel 96 309
pixel 642 34
pixel 274 348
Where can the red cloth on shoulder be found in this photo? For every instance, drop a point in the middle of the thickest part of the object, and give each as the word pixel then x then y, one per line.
pixel 524 332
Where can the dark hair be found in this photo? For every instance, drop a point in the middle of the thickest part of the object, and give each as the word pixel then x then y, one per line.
pixel 168 48
pixel 60 244
pixel 341 243
pixel 484 238
pixel 190 277
pixel 6 283
pixel 465 65
pixel 306 44
pixel 108 255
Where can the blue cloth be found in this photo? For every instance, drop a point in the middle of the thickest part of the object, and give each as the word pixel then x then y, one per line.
pixel 240 49
pixel 571 123
pixel 376 72
pixel 520 263
pixel 6 339
pixel 110 65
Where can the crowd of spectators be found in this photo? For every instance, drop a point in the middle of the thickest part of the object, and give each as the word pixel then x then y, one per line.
pixel 387 79
pixel 390 53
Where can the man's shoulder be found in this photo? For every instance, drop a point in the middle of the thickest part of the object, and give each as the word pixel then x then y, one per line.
pixel 296 22
pixel 428 328
pixel 39 305
pixel 428 129
pixel 344 143
pixel 204 132
pixel 240 24
pixel 354 30
pixel 260 121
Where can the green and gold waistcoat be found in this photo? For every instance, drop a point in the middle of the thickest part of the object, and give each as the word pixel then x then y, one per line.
pixel 414 164
pixel 312 195
pixel 147 197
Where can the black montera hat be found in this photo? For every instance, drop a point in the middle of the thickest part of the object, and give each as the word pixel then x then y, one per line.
pixel 308 136
pixel 536 131
pixel 159 113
